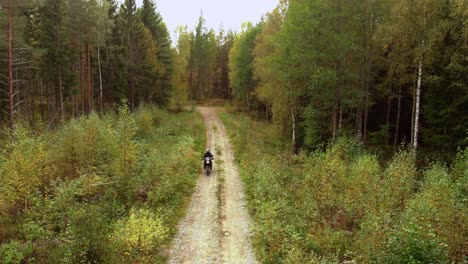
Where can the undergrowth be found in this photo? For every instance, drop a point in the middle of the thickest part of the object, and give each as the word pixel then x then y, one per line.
pixel 342 204
pixel 106 189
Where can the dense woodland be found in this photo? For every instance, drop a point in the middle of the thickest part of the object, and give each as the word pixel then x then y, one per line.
pixel 350 92
pixel 71 58
pixel 386 71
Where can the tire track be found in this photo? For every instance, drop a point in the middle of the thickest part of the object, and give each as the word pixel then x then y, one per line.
pixel 216 226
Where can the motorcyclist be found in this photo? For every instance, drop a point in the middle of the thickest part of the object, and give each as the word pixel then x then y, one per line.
pixel 208 155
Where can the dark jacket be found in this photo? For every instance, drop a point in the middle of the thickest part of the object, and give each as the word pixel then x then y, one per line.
pixel 208 154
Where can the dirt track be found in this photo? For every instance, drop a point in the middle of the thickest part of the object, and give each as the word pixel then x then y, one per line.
pixel 216 226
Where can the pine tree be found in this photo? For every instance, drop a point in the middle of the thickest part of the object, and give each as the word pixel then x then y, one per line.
pixel 53 40
pixel 446 98
pixel 113 63
pixel 153 21
pixel 180 73
pixel 270 90
pixel 199 62
pixel 241 65
pixel 130 23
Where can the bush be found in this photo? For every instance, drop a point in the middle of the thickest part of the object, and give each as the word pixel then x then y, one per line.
pixel 415 244
pixel 433 221
pixel 88 143
pixel 27 168
pixel 137 238
pixel 87 192
pixel 340 204
pixel 398 183
pixel 14 252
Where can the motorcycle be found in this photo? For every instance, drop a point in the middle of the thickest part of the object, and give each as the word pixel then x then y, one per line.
pixel 208 165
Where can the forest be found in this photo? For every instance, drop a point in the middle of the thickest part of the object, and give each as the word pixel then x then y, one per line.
pixel 387 72
pixel 353 113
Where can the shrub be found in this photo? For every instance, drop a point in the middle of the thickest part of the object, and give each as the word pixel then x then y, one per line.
pixel 361 187
pixel 88 143
pixel 14 252
pixel 137 237
pixel 27 169
pixel 69 191
pixel 340 204
pixel 434 219
pixel 398 183
pixel 415 244
pixel 144 122
pixel 372 235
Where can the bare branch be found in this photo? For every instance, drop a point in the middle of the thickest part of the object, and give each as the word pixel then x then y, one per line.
pixel 102 183
pixel 20 102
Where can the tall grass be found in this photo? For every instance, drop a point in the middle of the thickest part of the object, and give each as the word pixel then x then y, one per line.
pixel 345 204
pixel 106 189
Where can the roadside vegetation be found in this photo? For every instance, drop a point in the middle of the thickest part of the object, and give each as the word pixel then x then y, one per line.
pixel 99 189
pixel 343 203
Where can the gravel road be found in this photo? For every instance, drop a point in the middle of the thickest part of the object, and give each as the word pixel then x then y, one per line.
pixel 216 226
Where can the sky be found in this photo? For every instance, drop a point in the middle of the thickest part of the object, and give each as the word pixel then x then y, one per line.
pixel 230 13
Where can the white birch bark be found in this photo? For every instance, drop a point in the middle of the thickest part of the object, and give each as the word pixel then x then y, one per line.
pixel 417 108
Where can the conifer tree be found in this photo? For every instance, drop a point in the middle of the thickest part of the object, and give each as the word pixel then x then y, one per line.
pixel 53 40
pixel 130 24
pixel 241 65
pixel 153 21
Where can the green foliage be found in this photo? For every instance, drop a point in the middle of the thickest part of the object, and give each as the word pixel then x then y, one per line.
pixel 26 167
pixel 340 203
pixel 180 77
pixel 99 189
pixel 432 221
pixel 137 237
pixel 322 71
pixel 399 181
pixel 415 244
pixel 14 252
pixel 241 64
pixel 159 33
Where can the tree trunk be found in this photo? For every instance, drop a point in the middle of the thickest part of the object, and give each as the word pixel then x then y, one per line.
pixel 359 123
pixel 140 95
pixel 90 97
pixel 83 107
pixel 131 73
pixel 10 72
pixel 387 120
pixel 417 108
pixel 293 116
pixel 132 88
pixel 100 73
pixel 340 118
pixel 75 108
pixel 366 102
pixel 60 84
pixel 49 102
pixel 366 115
pixel 333 121
pixel 41 100
pixel 413 109
pixel 397 125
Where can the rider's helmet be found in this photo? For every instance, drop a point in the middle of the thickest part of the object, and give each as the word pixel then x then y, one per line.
pixel 207 150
